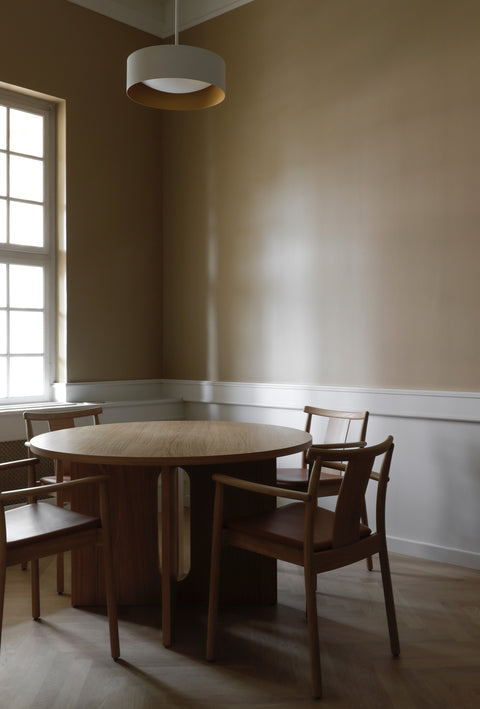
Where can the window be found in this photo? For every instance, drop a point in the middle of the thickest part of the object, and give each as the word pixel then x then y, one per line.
pixel 27 247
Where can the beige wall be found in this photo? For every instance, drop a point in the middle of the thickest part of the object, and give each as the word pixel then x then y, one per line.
pixel 113 182
pixel 321 226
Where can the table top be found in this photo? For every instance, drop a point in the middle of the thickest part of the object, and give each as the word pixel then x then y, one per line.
pixel 170 443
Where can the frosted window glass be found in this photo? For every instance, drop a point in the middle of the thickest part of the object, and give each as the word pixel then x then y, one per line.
pixel 26 178
pixel 26 133
pixel 26 224
pixel 26 286
pixel 3 377
pixel 3 332
pixel 3 174
pixel 3 128
pixel 3 221
pixel 3 285
pixel 26 376
pixel 26 332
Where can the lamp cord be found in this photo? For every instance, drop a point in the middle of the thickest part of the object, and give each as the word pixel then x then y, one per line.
pixel 176 21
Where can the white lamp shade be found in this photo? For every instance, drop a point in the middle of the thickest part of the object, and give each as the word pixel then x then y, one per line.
pixel 175 77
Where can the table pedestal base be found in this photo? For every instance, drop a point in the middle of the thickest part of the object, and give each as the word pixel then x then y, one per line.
pixel 246 578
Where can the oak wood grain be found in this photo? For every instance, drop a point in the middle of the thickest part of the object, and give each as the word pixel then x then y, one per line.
pixel 176 443
pixel 134 455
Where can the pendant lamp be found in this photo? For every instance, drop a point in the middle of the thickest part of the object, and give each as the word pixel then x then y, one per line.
pixel 175 77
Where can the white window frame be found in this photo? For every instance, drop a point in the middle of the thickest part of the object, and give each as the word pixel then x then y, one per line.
pixel 44 256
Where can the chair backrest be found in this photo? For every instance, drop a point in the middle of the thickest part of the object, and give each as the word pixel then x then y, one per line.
pixel 350 502
pixel 335 425
pixel 58 420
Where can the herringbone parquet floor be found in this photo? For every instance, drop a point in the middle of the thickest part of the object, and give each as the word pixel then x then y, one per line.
pixel 63 661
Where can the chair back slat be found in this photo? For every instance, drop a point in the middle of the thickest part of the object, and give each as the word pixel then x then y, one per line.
pixel 337 430
pixel 60 424
pixel 359 463
pixel 335 427
pixel 350 501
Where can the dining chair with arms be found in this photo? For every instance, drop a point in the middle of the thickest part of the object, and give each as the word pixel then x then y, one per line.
pixel 56 421
pixel 310 536
pixel 38 529
pixel 336 429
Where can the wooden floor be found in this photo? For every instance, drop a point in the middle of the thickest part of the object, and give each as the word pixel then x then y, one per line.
pixel 63 661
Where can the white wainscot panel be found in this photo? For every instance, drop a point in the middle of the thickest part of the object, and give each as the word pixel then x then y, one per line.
pixel 434 495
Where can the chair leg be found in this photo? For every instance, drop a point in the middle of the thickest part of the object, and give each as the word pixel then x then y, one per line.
pixel 364 518
pixel 110 592
pixel 60 557
pixel 214 573
pixel 111 602
pixel 389 603
pixel 35 589
pixel 60 572
pixel 312 624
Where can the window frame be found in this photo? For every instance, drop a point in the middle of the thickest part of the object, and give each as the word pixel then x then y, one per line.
pixel 46 254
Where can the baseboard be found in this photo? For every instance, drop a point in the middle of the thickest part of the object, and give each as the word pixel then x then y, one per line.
pixel 432 552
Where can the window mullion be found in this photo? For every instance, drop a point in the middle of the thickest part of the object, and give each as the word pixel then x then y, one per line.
pixel 8 175
pixel 8 330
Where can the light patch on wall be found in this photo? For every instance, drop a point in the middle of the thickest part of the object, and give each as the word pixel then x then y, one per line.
pixel 211 297
pixel 212 262
pixel 288 272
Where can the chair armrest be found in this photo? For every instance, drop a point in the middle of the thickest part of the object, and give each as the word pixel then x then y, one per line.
pixel 317 449
pixel 24 462
pixel 18 463
pixel 43 490
pixel 328 446
pixel 260 488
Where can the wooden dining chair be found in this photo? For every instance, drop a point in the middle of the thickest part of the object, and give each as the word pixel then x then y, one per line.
pixel 56 421
pixel 37 529
pixel 310 536
pixel 335 430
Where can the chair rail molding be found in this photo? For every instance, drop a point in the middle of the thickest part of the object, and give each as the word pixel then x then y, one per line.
pixel 435 474
pixel 411 403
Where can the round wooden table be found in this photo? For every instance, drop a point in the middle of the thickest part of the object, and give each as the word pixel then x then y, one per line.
pixel 134 455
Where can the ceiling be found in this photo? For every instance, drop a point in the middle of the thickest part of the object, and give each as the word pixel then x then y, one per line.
pixel 157 16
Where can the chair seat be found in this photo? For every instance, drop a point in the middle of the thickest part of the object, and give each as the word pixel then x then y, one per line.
pixel 297 478
pixel 51 479
pixel 41 521
pixel 286 526
pixel 292 478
